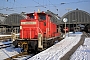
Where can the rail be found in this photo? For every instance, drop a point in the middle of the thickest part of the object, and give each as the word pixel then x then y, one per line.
pixel 5 44
pixel 20 56
pixel 15 56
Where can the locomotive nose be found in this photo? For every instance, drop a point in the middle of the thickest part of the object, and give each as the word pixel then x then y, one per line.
pixel 29 29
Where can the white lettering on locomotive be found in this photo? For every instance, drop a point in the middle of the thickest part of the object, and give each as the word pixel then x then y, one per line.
pixel 22 23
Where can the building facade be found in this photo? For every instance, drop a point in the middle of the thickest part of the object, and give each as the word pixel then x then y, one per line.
pixel 77 19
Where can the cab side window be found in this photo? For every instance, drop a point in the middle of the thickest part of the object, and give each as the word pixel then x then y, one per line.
pixel 31 16
pixel 42 16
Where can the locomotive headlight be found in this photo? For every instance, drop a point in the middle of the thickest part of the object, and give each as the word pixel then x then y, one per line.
pixel 20 27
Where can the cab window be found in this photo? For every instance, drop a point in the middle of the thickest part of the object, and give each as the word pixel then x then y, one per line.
pixel 31 16
pixel 42 16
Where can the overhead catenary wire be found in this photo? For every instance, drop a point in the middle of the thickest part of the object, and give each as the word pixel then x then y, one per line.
pixel 39 4
pixel 7 8
pixel 53 5
pixel 7 0
pixel 44 6
pixel 62 3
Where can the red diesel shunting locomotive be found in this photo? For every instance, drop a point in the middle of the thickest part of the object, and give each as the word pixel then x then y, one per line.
pixel 37 32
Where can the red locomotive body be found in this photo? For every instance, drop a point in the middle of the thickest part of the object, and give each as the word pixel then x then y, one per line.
pixel 37 28
pixel 40 23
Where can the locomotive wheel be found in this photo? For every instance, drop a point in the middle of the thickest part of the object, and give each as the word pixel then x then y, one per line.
pixel 32 46
pixel 15 43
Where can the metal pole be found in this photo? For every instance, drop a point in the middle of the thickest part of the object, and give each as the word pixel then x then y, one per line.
pixel 69 21
pixel 73 28
pixel 73 25
pixel 65 20
pixel 69 28
pixel 11 27
pixel 65 29
pixel 76 26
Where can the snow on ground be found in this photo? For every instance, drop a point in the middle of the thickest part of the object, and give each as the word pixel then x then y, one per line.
pixel 9 51
pixel 83 52
pixel 59 49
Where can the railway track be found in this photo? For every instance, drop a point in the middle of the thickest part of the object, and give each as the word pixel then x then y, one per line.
pixel 21 56
pixel 86 34
pixel 5 45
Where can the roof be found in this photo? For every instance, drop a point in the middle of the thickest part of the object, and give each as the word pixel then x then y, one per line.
pixel 14 19
pixel 79 16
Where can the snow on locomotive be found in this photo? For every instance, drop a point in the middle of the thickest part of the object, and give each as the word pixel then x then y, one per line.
pixel 37 32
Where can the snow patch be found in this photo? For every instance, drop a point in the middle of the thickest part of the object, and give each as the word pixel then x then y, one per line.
pixel 83 52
